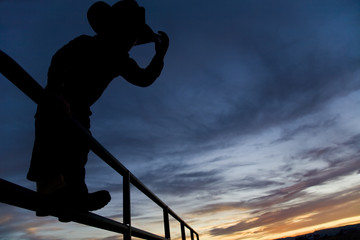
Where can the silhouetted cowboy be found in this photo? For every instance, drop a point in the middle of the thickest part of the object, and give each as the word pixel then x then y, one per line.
pixel 79 73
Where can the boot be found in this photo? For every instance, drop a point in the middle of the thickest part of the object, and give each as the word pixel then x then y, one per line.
pixel 59 198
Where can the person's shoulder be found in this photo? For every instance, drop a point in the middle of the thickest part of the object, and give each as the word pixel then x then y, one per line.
pixel 85 37
pixel 82 39
pixel 79 43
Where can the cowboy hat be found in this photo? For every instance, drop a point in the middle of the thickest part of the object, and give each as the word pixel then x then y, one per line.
pixel 101 18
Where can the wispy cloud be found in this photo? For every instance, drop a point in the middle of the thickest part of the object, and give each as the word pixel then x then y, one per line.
pixel 285 204
pixel 181 181
pixel 329 208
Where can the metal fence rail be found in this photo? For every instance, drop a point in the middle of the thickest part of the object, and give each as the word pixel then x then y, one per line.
pixel 14 194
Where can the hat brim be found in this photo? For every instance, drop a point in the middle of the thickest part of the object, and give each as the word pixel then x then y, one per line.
pixel 147 36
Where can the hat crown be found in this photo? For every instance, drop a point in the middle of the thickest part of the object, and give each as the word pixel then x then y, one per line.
pixel 98 15
pixel 101 15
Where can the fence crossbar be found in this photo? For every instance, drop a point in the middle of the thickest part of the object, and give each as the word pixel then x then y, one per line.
pixel 14 194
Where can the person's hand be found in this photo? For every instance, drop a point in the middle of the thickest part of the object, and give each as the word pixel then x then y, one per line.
pixel 162 43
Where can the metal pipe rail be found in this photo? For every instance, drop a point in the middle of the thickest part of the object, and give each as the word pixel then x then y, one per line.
pixel 14 193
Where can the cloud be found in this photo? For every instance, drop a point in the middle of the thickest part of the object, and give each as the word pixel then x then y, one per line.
pixel 314 191
pixel 339 165
pixel 264 66
pixel 254 183
pixel 22 224
pixel 324 208
pixel 115 237
pixel 311 128
pixel 181 182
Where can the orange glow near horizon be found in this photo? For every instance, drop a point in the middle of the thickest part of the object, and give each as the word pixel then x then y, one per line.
pixel 309 217
pixel 346 213
pixel 260 233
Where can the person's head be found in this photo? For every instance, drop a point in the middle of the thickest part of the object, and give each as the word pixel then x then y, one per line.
pixel 124 21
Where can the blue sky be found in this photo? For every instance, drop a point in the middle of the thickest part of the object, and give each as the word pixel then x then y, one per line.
pixel 250 132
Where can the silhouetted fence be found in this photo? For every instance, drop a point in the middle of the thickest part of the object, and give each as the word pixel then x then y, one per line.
pixel 25 198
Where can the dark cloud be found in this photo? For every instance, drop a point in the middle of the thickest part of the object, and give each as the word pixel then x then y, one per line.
pixel 353 142
pixel 177 181
pixel 251 182
pixel 337 154
pixel 312 128
pixel 337 167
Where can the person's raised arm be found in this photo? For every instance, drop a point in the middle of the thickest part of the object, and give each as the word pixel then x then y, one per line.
pixel 145 77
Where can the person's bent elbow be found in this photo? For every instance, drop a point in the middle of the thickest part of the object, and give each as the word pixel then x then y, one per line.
pixel 142 82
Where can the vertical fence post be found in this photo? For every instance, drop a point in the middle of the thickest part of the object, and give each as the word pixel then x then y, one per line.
pixel 183 236
pixel 126 204
pixel 192 234
pixel 166 222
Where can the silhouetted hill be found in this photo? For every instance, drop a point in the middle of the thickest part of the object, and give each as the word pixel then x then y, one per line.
pixel 351 232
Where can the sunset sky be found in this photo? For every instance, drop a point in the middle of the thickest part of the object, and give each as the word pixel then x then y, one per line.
pixel 252 131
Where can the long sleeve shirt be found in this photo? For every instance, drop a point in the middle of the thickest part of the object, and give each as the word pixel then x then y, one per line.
pixel 82 69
